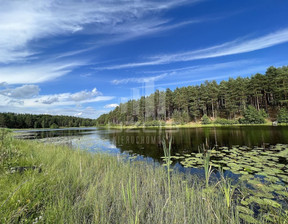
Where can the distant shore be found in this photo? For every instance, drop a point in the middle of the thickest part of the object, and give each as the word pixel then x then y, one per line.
pixel 188 125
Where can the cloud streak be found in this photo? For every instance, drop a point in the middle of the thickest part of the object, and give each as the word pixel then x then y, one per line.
pixel 32 20
pixel 37 73
pixel 138 79
pixel 238 46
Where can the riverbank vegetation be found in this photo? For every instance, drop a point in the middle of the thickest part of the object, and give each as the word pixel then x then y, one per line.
pixel 13 120
pixel 256 98
pixel 54 184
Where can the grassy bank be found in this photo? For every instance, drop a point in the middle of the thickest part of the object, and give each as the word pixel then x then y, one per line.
pixel 188 125
pixel 54 184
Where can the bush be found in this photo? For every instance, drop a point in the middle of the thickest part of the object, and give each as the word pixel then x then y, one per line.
pixel 253 116
pixel 177 117
pixel 224 121
pixel 283 116
pixel 155 123
pixel 205 119
pixel 54 126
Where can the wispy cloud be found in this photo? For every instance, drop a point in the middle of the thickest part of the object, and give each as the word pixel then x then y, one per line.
pixel 29 20
pixel 124 32
pixel 238 46
pixel 37 73
pixel 138 79
pixel 196 74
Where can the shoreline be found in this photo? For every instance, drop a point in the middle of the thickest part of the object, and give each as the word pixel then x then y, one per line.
pixel 189 125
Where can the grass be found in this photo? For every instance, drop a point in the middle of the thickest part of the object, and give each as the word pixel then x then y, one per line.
pixel 60 185
pixel 187 125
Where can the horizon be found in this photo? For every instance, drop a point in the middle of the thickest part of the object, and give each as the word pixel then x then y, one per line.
pixel 84 58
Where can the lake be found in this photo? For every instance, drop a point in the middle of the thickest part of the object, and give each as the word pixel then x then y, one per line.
pixel 146 143
pixel 256 155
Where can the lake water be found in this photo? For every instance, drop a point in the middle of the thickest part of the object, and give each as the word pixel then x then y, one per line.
pixel 146 143
pixel 256 155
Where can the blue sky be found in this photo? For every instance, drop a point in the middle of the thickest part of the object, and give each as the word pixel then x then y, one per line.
pixel 83 58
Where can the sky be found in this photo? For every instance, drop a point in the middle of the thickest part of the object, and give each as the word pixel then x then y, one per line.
pixel 83 58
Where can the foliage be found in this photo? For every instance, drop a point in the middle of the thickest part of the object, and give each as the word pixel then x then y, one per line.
pixel 262 177
pixel 12 120
pixel 70 186
pixel 205 119
pixel 53 126
pixel 154 123
pixel 227 99
pixel 223 121
pixel 283 116
pixel 253 116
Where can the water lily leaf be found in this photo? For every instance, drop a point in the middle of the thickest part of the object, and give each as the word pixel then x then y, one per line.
pixel 283 177
pixel 253 199
pixel 269 218
pixel 278 187
pixel 244 210
pixel 247 218
pixel 283 193
pixel 272 203
pixel 272 179
pixel 262 174
pixel 263 194
pixel 243 202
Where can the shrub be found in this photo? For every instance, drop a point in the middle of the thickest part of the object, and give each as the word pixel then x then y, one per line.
pixel 54 126
pixel 154 123
pixel 205 119
pixel 283 116
pixel 253 116
pixel 224 121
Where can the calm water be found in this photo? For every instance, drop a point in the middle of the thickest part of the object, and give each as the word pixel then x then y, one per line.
pixel 267 163
pixel 147 142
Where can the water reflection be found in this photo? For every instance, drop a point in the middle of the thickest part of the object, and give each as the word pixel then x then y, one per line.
pixel 147 142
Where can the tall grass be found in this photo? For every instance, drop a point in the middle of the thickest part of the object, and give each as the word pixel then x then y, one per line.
pixel 167 158
pixel 207 168
pixel 69 186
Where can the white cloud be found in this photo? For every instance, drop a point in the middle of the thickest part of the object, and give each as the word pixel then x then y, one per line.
pixel 138 79
pixel 78 114
pixel 112 105
pixel 26 91
pixel 3 84
pixel 84 95
pixel 36 73
pixel 50 100
pixel 27 96
pixel 30 20
pixel 238 46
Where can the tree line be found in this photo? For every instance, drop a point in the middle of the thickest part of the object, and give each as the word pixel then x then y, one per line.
pixel 266 93
pixel 13 120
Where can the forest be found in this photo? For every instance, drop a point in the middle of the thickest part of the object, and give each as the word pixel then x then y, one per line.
pixel 241 100
pixel 13 120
